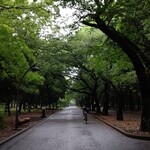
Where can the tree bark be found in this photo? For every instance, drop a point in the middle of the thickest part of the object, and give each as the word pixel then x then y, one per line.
pixel 93 106
pixel 98 110
pixel 119 105
pixel 106 100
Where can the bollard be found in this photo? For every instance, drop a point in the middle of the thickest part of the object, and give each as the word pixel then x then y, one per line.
pixel 43 113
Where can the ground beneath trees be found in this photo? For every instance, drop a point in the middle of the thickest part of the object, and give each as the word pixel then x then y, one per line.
pixel 9 131
pixel 130 124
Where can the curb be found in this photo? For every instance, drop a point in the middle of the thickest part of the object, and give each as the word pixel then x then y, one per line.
pixel 21 131
pixel 123 132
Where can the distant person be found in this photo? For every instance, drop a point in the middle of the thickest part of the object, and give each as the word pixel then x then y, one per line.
pixel 85 111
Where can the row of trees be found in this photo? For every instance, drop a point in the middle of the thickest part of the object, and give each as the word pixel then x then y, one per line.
pixel 101 65
pixel 20 48
pixel 127 24
pixel 100 73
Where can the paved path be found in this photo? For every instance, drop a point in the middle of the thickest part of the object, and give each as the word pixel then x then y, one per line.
pixel 65 130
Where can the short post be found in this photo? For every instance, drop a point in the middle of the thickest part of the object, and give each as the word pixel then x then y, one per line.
pixel 43 112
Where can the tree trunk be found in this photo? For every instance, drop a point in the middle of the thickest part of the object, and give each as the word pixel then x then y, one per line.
pixel 93 106
pixel 119 105
pixel 145 118
pixel 106 100
pixel 9 112
pixel 131 101
pixel 20 106
pixel 98 110
pixel 139 102
pixel 29 107
pixel 105 107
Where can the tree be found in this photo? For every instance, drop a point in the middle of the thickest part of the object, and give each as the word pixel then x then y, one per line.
pixel 16 57
pixel 105 16
pixel 48 54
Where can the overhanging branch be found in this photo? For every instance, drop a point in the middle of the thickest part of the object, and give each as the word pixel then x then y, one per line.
pixel 82 90
pixel 6 7
pixel 90 24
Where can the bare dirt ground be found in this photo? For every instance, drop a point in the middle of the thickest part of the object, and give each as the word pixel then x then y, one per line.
pixel 130 124
pixel 10 123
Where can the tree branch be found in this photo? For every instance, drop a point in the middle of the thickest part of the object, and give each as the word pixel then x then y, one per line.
pixel 2 7
pixel 82 90
pixel 90 24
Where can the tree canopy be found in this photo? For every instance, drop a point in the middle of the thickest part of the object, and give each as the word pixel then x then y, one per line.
pixel 105 56
pixel 124 23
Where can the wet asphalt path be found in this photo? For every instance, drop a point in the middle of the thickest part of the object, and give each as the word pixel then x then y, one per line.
pixel 65 130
